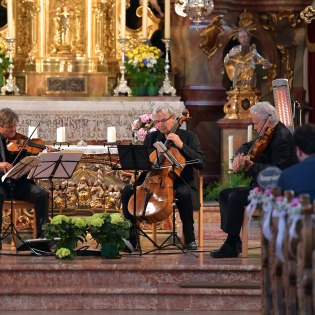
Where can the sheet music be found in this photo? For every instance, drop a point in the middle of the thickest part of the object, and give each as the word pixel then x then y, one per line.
pixel 66 162
pixel 22 168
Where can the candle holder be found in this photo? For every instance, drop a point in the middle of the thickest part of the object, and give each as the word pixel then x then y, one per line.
pixel 59 144
pixel 122 87
pixel 82 122
pixel 10 85
pixel 167 87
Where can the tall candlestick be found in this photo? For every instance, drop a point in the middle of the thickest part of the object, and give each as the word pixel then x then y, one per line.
pixel 249 133
pixel 167 9
pixel 111 134
pixel 31 133
pixel 61 134
pixel 123 19
pixel 230 151
pixel 145 19
pixel 89 28
pixel 10 19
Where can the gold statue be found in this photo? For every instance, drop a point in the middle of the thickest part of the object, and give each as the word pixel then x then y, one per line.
pixel 83 191
pixel 240 64
pixel 241 61
pixel 97 195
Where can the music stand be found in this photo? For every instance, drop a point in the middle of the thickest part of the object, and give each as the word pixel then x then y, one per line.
pixel 56 165
pixel 135 158
pixel 16 172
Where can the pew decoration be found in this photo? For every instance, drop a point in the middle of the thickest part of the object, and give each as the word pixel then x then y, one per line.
pixel 288 250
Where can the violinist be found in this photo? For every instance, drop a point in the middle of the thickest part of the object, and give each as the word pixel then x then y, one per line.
pixel 23 188
pixel 278 150
pixel 186 191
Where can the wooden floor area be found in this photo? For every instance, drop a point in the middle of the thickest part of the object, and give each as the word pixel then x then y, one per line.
pixel 162 282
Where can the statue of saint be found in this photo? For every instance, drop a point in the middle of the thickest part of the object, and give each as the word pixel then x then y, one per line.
pixel 83 191
pixel 97 193
pixel 241 61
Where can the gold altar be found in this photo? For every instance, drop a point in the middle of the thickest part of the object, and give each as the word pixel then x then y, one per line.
pixel 69 47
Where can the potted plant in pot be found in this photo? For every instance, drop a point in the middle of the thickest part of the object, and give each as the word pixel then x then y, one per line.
pixel 145 69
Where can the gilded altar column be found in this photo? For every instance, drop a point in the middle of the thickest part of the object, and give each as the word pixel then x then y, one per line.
pixel 89 28
pixel 42 29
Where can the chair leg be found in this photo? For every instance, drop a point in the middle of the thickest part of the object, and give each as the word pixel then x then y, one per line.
pixel 154 232
pixel 200 238
pixel 245 236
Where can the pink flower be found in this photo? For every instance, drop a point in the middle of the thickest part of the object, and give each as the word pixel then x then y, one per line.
pixel 145 118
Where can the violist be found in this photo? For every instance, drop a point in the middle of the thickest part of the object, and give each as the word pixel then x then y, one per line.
pixel 279 152
pixel 23 188
pixel 186 191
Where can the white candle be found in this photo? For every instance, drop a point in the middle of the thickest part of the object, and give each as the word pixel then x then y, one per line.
pixel 61 134
pixel 10 19
pixel 111 134
pixel 249 133
pixel 123 19
pixel 144 19
pixel 167 9
pixel 230 151
pixel 32 135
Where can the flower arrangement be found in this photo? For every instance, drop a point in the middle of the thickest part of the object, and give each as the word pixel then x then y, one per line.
pixel 144 66
pixel 4 63
pixel 69 230
pixel 109 230
pixel 142 125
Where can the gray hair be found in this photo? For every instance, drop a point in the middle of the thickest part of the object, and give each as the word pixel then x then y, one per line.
pixel 265 109
pixel 8 117
pixel 164 108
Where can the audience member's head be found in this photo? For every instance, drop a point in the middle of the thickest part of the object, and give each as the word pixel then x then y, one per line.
pixel 304 138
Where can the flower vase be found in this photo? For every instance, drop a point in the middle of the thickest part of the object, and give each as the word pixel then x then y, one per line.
pixel 110 250
pixel 152 90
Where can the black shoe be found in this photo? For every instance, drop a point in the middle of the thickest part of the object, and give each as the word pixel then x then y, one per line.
pixel 225 251
pixel 191 246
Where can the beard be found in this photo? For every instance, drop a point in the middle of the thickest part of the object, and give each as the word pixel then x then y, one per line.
pixel 245 49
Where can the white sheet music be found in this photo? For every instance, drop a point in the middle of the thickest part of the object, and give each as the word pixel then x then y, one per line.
pixel 22 168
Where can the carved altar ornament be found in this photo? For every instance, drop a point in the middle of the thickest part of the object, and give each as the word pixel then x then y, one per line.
pixel 308 14
pixel 83 191
pixel 71 195
pixel 97 195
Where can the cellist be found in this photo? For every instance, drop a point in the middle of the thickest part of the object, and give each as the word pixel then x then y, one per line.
pixel 23 188
pixel 278 151
pixel 186 191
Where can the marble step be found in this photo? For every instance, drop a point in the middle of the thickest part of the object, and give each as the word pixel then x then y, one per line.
pixel 104 284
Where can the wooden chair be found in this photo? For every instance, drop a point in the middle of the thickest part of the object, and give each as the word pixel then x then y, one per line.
pixel 200 219
pixel 19 205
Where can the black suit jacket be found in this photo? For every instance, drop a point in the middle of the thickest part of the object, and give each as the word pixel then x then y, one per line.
pixel 191 151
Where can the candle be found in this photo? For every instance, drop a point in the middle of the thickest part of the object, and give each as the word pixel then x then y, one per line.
pixel 144 19
pixel 123 19
pixel 111 134
pixel 249 133
pixel 167 9
pixel 10 19
pixel 32 132
pixel 61 134
pixel 230 151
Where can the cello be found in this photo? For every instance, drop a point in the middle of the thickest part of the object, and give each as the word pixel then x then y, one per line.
pixel 155 197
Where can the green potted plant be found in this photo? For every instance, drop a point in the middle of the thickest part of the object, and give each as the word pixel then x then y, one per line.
pixel 109 230
pixel 145 69
pixel 69 230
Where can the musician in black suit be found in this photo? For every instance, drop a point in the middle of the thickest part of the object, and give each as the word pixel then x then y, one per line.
pixel 186 190
pixel 22 189
pixel 279 152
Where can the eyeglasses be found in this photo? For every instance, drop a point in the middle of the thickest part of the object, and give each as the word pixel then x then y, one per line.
pixel 162 121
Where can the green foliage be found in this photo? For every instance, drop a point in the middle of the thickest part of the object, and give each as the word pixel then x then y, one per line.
pixel 231 180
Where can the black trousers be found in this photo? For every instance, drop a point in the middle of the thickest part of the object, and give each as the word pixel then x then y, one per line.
pixel 232 203
pixel 27 191
pixel 184 205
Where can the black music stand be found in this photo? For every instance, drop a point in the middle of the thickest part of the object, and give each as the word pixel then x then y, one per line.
pixel 135 158
pixel 56 165
pixel 20 169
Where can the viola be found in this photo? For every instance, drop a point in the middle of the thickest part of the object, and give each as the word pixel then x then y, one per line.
pixel 23 143
pixel 154 198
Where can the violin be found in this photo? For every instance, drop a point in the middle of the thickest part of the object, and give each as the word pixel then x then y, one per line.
pixel 23 143
pixel 260 144
pixel 154 198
